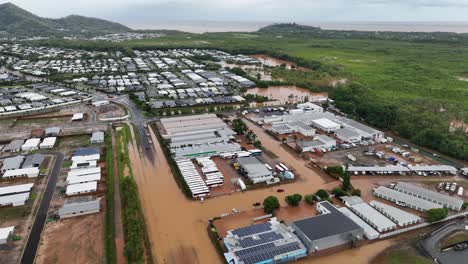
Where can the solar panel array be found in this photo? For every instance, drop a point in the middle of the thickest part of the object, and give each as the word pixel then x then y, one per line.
pixel 251 230
pixel 264 252
pixel 259 239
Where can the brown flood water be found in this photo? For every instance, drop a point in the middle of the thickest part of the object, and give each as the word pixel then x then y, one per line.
pixel 177 225
pixel 288 94
pixel 273 62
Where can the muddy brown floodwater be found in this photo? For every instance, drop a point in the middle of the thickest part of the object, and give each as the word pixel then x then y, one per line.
pixel 273 62
pixel 177 225
pixel 288 94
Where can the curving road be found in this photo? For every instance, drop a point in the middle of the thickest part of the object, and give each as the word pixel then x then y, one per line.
pixel 431 244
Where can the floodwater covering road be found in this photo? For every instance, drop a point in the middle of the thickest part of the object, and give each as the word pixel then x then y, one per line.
pixel 177 225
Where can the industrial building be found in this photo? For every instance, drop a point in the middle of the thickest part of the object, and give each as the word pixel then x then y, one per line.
pixel 368 214
pixel 326 125
pixel 254 169
pixel 369 232
pixel 5 233
pixel 34 160
pixel 26 172
pixel 86 154
pixel 319 142
pixel 48 143
pixel 79 206
pixel 80 188
pixel 328 230
pixel 206 150
pixel 402 218
pixel 403 170
pixel 192 178
pixel 52 131
pixel 83 178
pixel 399 197
pixel 349 135
pixel 431 196
pixel 12 163
pixel 84 171
pixel 97 137
pixel 31 144
pixel 14 199
pixel 271 242
pixel 14 146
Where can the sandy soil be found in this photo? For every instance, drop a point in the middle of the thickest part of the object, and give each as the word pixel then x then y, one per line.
pixel 73 240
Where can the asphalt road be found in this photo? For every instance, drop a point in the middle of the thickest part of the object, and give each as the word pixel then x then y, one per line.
pixel 139 121
pixel 30 250
pixel 430 244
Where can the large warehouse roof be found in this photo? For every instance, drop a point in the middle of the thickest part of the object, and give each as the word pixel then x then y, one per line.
pixel 77 206
pixel 326 224
pixel 402 218
pixel 84 178
pixel 393 195
pixel 429 195
pixel 378 169
pixel 81 187
pixel 369 231
pixel 18 198
pixel 86 171
pixel 373 217
pixel 16 188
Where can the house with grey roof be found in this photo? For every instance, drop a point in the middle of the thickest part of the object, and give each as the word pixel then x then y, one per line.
pixel 52 131
pixel 254 169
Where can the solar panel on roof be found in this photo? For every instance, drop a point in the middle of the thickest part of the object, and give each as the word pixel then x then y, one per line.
pixel 250 230
pixel 266 251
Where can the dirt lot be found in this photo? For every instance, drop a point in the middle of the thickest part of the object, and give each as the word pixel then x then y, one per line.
pixel 77 240
pixel 109 111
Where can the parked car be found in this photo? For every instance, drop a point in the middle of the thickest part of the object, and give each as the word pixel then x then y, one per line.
pixel 403 204
pixel 280 190
pixel 447 186
pixel 461 246
pixel 441 185
pixel 392 185
pixel 453 188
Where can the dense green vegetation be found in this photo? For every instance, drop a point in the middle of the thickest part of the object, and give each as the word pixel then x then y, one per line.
pixel 294 199
pixel 137 247
pixel 111 255
pixel 270 204
pixel 309 198
pixel 436 214
pixel 405 82
pixel 19 22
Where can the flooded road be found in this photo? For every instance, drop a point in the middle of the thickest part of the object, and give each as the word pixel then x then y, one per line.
pixel 177 225
pixel 288 94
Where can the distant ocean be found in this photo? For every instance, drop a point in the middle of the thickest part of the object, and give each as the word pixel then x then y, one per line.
pixel 216 26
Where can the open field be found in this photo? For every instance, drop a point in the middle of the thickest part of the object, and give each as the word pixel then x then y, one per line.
pixel 78 239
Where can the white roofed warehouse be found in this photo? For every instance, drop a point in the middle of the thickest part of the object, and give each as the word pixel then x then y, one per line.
pixel 31 144
pixel 80 188
pixel 431 196
pixel 254 169
pixel 79 206
pixel 5 233
pixel 402 218
pixel 410 201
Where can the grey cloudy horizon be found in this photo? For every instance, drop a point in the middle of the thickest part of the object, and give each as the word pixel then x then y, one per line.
pixel 134 12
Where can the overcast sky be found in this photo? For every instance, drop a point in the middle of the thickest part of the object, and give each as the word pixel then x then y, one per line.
pixel 145 11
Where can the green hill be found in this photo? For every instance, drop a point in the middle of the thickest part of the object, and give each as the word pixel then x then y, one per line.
pixel 19 22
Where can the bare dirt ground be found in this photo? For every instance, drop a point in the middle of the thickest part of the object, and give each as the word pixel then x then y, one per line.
pixel 73 240
pixel 110 110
